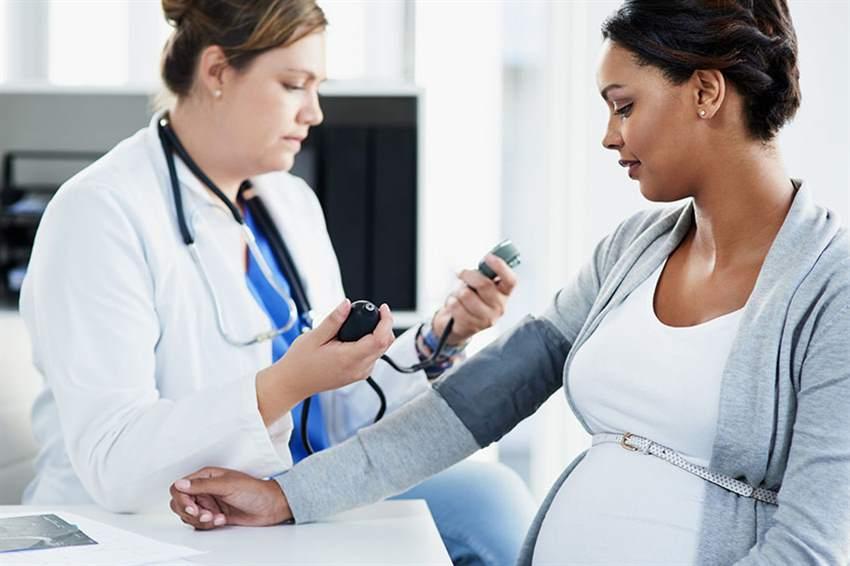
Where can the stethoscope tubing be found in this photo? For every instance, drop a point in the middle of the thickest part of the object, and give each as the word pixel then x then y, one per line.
pixel 171 144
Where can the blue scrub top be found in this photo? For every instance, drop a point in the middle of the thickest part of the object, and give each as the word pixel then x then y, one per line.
pixel 278 310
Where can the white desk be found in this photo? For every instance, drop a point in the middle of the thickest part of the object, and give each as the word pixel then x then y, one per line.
pixel 390 532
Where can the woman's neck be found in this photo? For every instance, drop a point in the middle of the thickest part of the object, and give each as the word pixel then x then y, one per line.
pixel 197 133
pixel 740 206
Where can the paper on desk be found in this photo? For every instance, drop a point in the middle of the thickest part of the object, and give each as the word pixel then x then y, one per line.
pixel 114 546
pixel 39 532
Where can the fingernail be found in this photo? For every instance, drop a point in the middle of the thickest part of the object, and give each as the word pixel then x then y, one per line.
pixel 219 521
pixel 182 484
pixel 191 511
pixel 206 517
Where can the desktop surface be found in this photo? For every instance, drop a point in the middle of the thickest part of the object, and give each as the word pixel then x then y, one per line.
pixel 390 532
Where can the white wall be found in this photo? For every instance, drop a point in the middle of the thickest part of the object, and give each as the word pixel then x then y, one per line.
pixel 118 42
pixel 816 145
pixel 366 39
pixel 459 66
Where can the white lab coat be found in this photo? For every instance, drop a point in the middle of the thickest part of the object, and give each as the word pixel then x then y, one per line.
pixel 140 386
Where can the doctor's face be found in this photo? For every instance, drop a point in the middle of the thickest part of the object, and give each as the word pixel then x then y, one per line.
pixel 269 107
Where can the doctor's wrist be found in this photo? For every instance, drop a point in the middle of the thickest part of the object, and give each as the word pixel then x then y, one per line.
pixel 277 393
pixel 427 342
pixel 437 326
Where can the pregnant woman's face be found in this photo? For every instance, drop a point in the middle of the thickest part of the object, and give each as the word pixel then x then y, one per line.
pixel 653 125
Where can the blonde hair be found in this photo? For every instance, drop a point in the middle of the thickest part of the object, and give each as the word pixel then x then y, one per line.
pixel 244 29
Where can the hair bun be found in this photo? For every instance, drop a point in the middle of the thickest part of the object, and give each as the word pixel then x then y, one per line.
pixel 772 17
pixel 175 10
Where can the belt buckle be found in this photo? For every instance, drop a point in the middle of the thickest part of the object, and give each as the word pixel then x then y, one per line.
pixel 741 488
pixel 623 442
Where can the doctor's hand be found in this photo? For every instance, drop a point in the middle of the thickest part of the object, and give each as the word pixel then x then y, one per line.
pixel 214 497
pixel 477 303
pixel 316 361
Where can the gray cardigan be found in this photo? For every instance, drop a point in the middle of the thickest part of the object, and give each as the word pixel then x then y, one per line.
pixel 784 421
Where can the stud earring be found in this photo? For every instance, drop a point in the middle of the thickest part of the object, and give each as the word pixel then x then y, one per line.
pixel 217 93
pixel 702 113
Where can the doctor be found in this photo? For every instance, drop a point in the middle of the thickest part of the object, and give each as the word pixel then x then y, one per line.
pixel 170 289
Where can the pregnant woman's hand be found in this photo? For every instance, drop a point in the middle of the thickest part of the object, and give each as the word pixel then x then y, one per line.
pixel 214 497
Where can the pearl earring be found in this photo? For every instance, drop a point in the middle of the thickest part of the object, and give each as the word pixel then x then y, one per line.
pixel 217 93
pixel 702 113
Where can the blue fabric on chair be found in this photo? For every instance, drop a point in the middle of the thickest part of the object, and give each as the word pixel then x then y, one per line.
pixel 482 510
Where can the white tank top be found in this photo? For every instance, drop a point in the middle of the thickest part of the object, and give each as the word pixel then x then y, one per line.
pixel 636 374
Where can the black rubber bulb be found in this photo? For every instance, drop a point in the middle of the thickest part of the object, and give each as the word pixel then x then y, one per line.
pixel 362 320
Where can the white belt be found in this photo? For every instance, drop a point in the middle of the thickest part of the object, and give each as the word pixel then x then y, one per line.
pixel 634 443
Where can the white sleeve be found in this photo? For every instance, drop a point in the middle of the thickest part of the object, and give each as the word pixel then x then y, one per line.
pixel 89 306
pixel 349 409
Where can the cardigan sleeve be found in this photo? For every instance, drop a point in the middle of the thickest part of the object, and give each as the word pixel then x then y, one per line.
pixel 812 522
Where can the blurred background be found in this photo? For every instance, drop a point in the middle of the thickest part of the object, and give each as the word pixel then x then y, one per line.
pixel 501 122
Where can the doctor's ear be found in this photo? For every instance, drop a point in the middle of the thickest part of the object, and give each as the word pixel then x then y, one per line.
pixel 212 65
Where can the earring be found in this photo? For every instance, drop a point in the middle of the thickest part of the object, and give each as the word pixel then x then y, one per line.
pixel 217 93
pixel 702 113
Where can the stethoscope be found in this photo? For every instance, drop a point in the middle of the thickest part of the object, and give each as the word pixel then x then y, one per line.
pixel 297 301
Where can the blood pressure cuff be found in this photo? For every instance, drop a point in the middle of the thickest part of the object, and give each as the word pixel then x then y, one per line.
pixel 469 408
pixel 508 380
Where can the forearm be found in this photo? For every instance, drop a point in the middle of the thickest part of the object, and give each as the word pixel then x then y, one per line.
pixel 428 343
pixel 406 447
pixel 277 394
